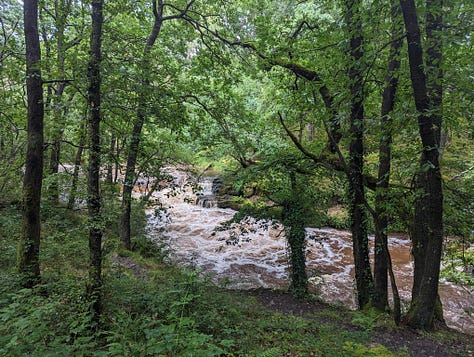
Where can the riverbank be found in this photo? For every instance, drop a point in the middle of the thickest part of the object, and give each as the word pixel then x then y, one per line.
pixel 252 253
pixel 268 322
pixel 157 309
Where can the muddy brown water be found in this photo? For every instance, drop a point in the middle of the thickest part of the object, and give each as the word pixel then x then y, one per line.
pixel 253 254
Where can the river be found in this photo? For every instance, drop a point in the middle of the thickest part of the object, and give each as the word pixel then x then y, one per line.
pixel 253 254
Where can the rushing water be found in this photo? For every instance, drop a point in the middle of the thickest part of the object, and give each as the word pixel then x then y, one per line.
pixel 253 254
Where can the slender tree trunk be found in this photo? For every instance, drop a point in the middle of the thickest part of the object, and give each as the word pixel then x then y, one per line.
pixel 428 220
pixel 385 154
pixel 117 166
pixel 93 197
pixel 110 164
pixel 358 213
pixel 58 121
pixel 77 167
pixel 29 244
pixel 129 180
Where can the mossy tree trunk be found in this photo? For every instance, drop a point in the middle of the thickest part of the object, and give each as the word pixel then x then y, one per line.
pixel 427 233
pixel 93 189
pixel 132 155
pixel 29 244
pixel 111 160
pixel 77 166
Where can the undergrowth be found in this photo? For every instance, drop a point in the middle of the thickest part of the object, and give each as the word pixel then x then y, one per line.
pixel 149 308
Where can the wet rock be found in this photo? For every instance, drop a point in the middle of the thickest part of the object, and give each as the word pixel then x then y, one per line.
pixel 217 185
pixel 206 201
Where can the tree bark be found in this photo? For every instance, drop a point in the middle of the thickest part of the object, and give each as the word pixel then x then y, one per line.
pixel 363 275
pixel 428 219
pixel 29 244
pixel 93 189
pixel 381 255
pixel 125 239
pixel 294 223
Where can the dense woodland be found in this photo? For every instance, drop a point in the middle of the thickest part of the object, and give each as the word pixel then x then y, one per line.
pixel 309 105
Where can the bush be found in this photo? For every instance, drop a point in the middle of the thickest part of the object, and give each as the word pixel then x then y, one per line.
pixel 46 321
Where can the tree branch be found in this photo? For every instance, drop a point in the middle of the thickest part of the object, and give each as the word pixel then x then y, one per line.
pixel 300 28
pixel 67 81
pixel 182 13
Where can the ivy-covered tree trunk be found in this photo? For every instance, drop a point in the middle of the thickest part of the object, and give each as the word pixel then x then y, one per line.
pixel 134 146
pixel 29 244
pixel 360 242
pixel 428 219
pixel 93 190
pixel 293 219
pixel 381 255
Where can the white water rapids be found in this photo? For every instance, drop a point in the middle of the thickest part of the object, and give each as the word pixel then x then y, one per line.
pixel 253 254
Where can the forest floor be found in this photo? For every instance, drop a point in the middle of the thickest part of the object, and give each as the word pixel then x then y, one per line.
pixel 442 344
pixel 152 308
pixel 380 328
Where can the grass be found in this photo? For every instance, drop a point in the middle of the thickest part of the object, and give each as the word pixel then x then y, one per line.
pixel 149 308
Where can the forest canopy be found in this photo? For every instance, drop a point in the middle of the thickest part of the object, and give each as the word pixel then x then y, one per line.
pixel 306 107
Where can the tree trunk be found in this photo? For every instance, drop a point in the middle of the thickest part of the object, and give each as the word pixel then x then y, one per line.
pixel 29 244
pixel 294 222
pixel 77 167
pixel 363 275
pixel 118 152
pixel 428 219
pixel 129 181
pixel 110 163
pixel 125 239
pixel 60 17
pixel 93 190
pixel 381 213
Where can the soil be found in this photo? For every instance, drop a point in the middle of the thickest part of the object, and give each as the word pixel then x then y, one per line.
pixel 418 344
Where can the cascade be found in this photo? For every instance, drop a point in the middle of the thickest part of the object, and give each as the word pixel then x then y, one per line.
pixel 253 253
pixel 210 186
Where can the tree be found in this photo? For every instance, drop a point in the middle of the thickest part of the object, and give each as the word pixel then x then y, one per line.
pixel 294 220
pixel 13 114
pixel 357 199
pixel 93 189
pixel 29 244
pixel 57 43
pixel 141 112
pixel 381 254
pixel 427 235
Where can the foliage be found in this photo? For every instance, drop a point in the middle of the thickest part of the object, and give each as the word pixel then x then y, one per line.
pixel 357 349
pixel 458 263
pixel 218 81
pixel 459 212
pixel 46 321
pixel 149 308
pixel 367 318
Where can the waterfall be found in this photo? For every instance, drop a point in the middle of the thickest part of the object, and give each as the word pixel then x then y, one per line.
pixel 210 186
pixel 253 253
